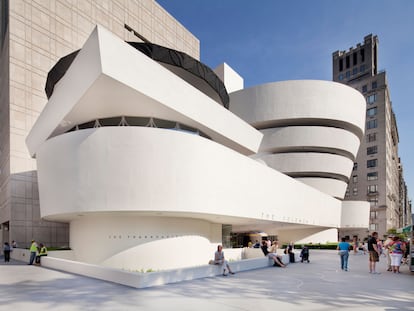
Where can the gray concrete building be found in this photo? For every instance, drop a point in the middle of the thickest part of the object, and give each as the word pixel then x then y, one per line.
pixel 377 175
pixel 34 34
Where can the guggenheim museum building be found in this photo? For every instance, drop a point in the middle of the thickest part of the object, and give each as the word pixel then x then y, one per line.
pixel 154 158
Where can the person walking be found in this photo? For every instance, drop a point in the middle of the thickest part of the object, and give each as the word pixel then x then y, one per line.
pixel 355 244
pixel 6 251
pixel 386 246
pixel 33 252
pixel 373 253
pixel 343 250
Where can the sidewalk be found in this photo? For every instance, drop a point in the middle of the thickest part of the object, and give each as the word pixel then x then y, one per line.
pixel 319 285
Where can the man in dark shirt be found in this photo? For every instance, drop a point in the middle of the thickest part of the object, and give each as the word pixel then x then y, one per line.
pixel 277 260
pixel 373 253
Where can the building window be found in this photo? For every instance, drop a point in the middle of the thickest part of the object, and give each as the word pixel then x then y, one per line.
pixel 373 215
pixel 347 74
pixel 372 150
pixel 347 62
pixel 341 77
pixel 347 192
pixel 371 99
pixel 371 124
pixel 364 88
pixel 341 64
pixel 362 68
pixel 373 202
pixel 355 166
pixel 372 176
pixel 372 189
pixel 362 52
pixel 372 163
pixel 355 179
pixel 355 191
pixel 374 85
pixel 354 59
pixel 372 112
pixel 371 137
pixel 373 227
pixel 355 71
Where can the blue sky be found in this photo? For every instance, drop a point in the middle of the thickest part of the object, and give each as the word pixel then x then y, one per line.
pixel 274 40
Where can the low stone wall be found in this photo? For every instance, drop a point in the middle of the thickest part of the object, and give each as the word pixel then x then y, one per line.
pixel 249 252
pixel 23 254
pixel 142 280
pixel 20 254
pixel 149 279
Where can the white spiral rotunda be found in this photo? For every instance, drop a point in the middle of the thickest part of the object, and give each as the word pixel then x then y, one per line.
pixel 138 151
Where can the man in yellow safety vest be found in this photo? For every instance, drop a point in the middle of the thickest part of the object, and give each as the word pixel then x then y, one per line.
pixel 33 252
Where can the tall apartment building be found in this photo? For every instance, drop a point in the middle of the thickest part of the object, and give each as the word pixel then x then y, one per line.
pixel 405 206
pixel 377 174
pixel 34 34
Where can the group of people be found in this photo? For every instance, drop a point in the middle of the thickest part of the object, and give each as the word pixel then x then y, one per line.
pixel 393 248
pixel 36 252
pixel 397 252
pixel 268 248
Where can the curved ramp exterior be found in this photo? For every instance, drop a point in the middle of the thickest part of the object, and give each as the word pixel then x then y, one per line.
pixel 312 129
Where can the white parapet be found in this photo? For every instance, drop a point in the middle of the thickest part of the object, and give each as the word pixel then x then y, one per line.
pixel 288 102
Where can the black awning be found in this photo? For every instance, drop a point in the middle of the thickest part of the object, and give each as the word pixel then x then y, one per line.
pixel 158 53
pixel 182 60
pixel 58 71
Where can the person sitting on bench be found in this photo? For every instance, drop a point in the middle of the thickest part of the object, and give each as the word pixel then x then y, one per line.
pixel 276 258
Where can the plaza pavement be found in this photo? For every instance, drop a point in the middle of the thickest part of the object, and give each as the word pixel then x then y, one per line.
pixel 319 285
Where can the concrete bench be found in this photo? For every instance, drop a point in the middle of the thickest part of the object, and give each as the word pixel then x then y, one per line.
pixel 257 253
pixel 149 279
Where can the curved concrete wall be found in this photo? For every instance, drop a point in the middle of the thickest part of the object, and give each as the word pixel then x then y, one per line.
pixel 310 138
pixel 135 242
pixel 312 129
pixel 106 180
pixel 302 163
pixel 333 187
pixel 307 100
pixel 127 168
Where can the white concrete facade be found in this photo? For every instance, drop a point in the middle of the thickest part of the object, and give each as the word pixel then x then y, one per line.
pixel 312 129
pixel 134 193
pixel 34 35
